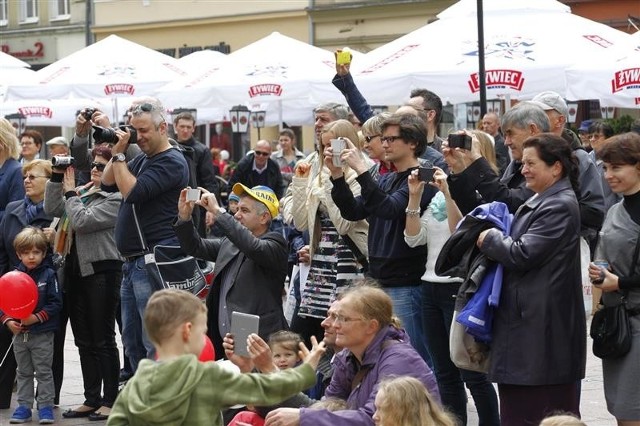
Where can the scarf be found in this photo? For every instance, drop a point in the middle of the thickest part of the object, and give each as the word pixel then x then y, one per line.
pixel 64 232
pixel 32 209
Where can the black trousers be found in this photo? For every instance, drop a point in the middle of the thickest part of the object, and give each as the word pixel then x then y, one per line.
pixel 8 367
pixel 93 301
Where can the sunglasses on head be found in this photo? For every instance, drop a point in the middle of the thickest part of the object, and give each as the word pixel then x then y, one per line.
pixel 99 166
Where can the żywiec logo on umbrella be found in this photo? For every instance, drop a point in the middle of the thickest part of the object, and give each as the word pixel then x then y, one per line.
pixel 497 79
pixel 36 111
pixel 626 79
pixel 119 89
pixel 265 90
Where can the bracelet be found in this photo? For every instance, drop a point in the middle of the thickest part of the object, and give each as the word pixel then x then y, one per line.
pixel 410 212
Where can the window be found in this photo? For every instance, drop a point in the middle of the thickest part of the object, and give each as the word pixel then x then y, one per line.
pixel 28 11
pixel 59 9
pixel 3 13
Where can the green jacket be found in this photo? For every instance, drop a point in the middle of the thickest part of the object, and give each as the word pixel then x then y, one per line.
pixel 186 391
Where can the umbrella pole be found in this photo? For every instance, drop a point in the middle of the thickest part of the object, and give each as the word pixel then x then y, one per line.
pixel 481 68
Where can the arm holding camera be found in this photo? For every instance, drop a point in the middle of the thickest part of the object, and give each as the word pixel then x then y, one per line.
pixel 117 172
pixel 416 188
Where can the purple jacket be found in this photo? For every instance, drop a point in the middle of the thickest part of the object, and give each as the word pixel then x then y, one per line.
pixel 396 359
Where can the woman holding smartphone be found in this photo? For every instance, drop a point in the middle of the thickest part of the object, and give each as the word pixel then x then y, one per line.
pixel 338 247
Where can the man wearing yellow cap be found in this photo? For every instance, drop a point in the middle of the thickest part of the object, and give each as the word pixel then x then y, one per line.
pixel 251 261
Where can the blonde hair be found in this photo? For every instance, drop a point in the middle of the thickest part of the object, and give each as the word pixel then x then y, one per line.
pixel 407 401
pixel 45 165
pixel 343 129
pixel 9 139
pixel 371 301
pixel 30 238
pixel 562 420
pixel 330 403
pixel 487 148
pixel 168 309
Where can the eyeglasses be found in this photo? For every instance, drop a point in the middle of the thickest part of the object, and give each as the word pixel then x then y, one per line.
pixel 262 154
pixel 99 166
pixel 390 139
pixel 370 138
pixel 26 143
pixel 343 319
pixel 32 177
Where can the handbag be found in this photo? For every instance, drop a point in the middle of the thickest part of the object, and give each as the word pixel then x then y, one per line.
pixel 610 326
pixel 168 266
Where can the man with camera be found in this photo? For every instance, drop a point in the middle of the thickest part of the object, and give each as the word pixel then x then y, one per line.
pixel 150 183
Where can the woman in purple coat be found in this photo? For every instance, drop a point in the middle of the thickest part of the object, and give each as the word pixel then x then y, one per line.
pixel 375 348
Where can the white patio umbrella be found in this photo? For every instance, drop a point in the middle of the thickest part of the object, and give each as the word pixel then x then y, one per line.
pixel 113 68
pixel 59 113
pixel 613 78
pixel 528 46
pixel 275 71
pixel 8 61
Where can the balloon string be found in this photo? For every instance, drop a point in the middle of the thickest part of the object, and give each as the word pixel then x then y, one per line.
pixel 7 353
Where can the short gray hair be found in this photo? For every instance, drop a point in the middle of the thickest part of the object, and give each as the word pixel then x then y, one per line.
pixel 525 113
pixel 150 106
pixel 336 110
pixel 373 126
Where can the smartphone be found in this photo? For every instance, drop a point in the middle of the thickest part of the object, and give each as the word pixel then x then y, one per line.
pixel 459 140
pixel 242 325
pixel 337 145
pixel 343 57
pixel 425 174
pixel 193 194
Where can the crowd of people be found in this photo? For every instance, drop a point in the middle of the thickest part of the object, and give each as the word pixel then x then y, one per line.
pixel 398 237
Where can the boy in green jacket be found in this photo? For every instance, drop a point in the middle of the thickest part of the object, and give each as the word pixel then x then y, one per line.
pixel 177 389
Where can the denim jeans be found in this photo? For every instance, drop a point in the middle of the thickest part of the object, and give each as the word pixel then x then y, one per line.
pixel 134 295
pixel 407 305
pixel 438 302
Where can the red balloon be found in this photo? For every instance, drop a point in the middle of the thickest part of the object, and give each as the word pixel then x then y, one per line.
pixel 19 294
pixel 207 353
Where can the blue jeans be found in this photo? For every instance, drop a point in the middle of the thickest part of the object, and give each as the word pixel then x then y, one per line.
pixel 407 305
pixel 135 292
pixel 438 304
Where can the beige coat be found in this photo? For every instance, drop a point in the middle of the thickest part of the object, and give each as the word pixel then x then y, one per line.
pixel 304 196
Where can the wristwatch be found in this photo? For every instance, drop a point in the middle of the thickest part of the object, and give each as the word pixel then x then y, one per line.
pixel 119 157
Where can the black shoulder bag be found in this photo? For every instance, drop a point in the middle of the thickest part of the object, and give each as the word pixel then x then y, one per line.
pixel 610 326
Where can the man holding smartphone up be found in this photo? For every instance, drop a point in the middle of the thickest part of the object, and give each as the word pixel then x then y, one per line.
pixel 251 261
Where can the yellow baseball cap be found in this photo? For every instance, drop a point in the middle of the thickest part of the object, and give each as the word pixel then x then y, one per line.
pixel 261 193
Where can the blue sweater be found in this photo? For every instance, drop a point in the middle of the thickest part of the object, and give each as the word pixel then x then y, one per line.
pixel 155 196
pixel 391 261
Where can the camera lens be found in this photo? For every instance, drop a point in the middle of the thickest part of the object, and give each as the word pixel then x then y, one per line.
pixel 104 134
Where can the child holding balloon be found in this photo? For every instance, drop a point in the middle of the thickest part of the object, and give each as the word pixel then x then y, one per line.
pixel 178 389
pixel 33 328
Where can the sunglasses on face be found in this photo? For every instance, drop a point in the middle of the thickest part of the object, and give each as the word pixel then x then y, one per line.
pixel 262 154
pixel 370 138
pixel 99 166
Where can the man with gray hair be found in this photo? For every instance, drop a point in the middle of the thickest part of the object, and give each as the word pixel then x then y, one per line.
pixel 591 196
pixel 150 184
pixel 328 113
pixel 474 182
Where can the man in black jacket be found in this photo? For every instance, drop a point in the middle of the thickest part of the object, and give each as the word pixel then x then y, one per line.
pixel 184 125
pixel 257 168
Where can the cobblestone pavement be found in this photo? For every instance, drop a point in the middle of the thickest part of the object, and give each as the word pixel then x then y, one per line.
pixel 593 407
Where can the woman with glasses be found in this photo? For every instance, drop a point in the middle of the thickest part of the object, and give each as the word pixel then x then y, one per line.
pixel 92 275
pixel 338 247
pixel 28 211
pixel 374 348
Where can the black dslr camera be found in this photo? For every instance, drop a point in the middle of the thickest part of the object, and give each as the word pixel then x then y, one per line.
pixel 88 113
pixel 61 162
pixel 105 134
